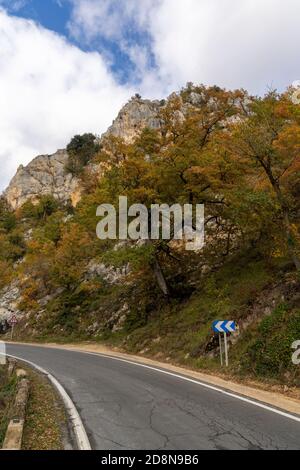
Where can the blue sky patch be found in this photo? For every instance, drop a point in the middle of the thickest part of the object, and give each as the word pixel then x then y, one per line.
pixel 52 14
pixel 55 15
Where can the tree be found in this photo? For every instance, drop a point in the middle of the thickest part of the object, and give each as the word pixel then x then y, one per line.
pixel 71 257
pixel 81 150
pixel 45 207
pixel 6 273
pixel 37 266
pixel 175 164
pixel 270 141
pixel 7 216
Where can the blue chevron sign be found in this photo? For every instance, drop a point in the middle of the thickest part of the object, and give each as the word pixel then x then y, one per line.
pixel 221 326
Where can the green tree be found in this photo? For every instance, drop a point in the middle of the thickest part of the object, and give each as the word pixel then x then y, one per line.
pixel 45 207
pixel 81 150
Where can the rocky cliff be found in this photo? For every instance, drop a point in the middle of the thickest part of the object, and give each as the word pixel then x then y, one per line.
pixel 134 117
pixel 46 174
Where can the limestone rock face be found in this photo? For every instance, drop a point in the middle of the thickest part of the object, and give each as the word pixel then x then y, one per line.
pixel 9 298
pixel 44 175
pixel 134 117
pixel 110 274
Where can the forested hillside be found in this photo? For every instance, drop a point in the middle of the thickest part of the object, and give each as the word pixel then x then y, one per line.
pixel 239 156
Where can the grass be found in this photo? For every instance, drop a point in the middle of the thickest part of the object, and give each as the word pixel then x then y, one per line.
pixel 267 352
pixel 45 425
pixel 180 332
pixel 7 395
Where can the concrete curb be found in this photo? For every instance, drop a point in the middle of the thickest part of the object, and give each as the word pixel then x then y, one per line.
pixel 82 439
pixel 14 433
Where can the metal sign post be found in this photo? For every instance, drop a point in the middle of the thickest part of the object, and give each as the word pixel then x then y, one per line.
pixel 221 351
pixel 12 321
pixel 224 327
pixel 226 349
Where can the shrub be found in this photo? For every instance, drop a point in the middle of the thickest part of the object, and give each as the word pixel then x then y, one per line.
pixel 271 355
pixel 81 150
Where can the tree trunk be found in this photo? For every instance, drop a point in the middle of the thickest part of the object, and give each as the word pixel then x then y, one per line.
pixel 286 221
pixel 157 269
pixel 159 275
pixel 290 240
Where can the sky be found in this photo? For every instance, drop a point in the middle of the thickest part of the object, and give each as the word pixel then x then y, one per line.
pixel 68 66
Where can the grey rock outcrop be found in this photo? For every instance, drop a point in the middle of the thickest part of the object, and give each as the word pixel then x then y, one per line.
pixel 44 175
pixel 134 117
pixel 9 298
pixel 110 274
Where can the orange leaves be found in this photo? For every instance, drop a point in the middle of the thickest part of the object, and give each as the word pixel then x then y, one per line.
pixel 287 147
pixel 71 256
pixel 30 293
pixel 6 273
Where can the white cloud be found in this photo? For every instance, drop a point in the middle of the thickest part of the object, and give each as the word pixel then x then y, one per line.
pixel 109 19
pixel 49 91
pixel 122 23
pixel 14 5
pixel 233 43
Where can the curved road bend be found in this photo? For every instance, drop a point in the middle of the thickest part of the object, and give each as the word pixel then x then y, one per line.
pixel 126 407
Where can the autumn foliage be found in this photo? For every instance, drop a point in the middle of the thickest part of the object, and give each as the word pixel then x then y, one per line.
pixel 236 154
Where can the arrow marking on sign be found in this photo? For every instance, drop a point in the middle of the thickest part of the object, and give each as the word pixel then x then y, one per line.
pixel 224 326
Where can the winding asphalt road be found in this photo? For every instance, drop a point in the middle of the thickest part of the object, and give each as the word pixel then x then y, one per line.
pixel 125 407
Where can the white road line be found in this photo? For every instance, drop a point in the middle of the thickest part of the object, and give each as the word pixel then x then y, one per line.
pixel 178 376
pixel 197 382
pixel 82 439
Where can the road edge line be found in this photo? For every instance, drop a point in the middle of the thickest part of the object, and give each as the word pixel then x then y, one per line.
pixel 183 374
pixel 215 388
pixel 80 433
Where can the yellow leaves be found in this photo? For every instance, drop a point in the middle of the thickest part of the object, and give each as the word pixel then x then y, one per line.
pixel 50 266
pixel 295 231
pixel 277 253
pixel 287 147
pixel 282 109
pixel 6 273
pixel 91 286
pixel 115 152
pixel 74 237
pixel 30 292
pixel 198 176
pixel 70 258
pixel 37 246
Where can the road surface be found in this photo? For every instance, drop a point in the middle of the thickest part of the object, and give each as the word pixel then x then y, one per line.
pixel 125 407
